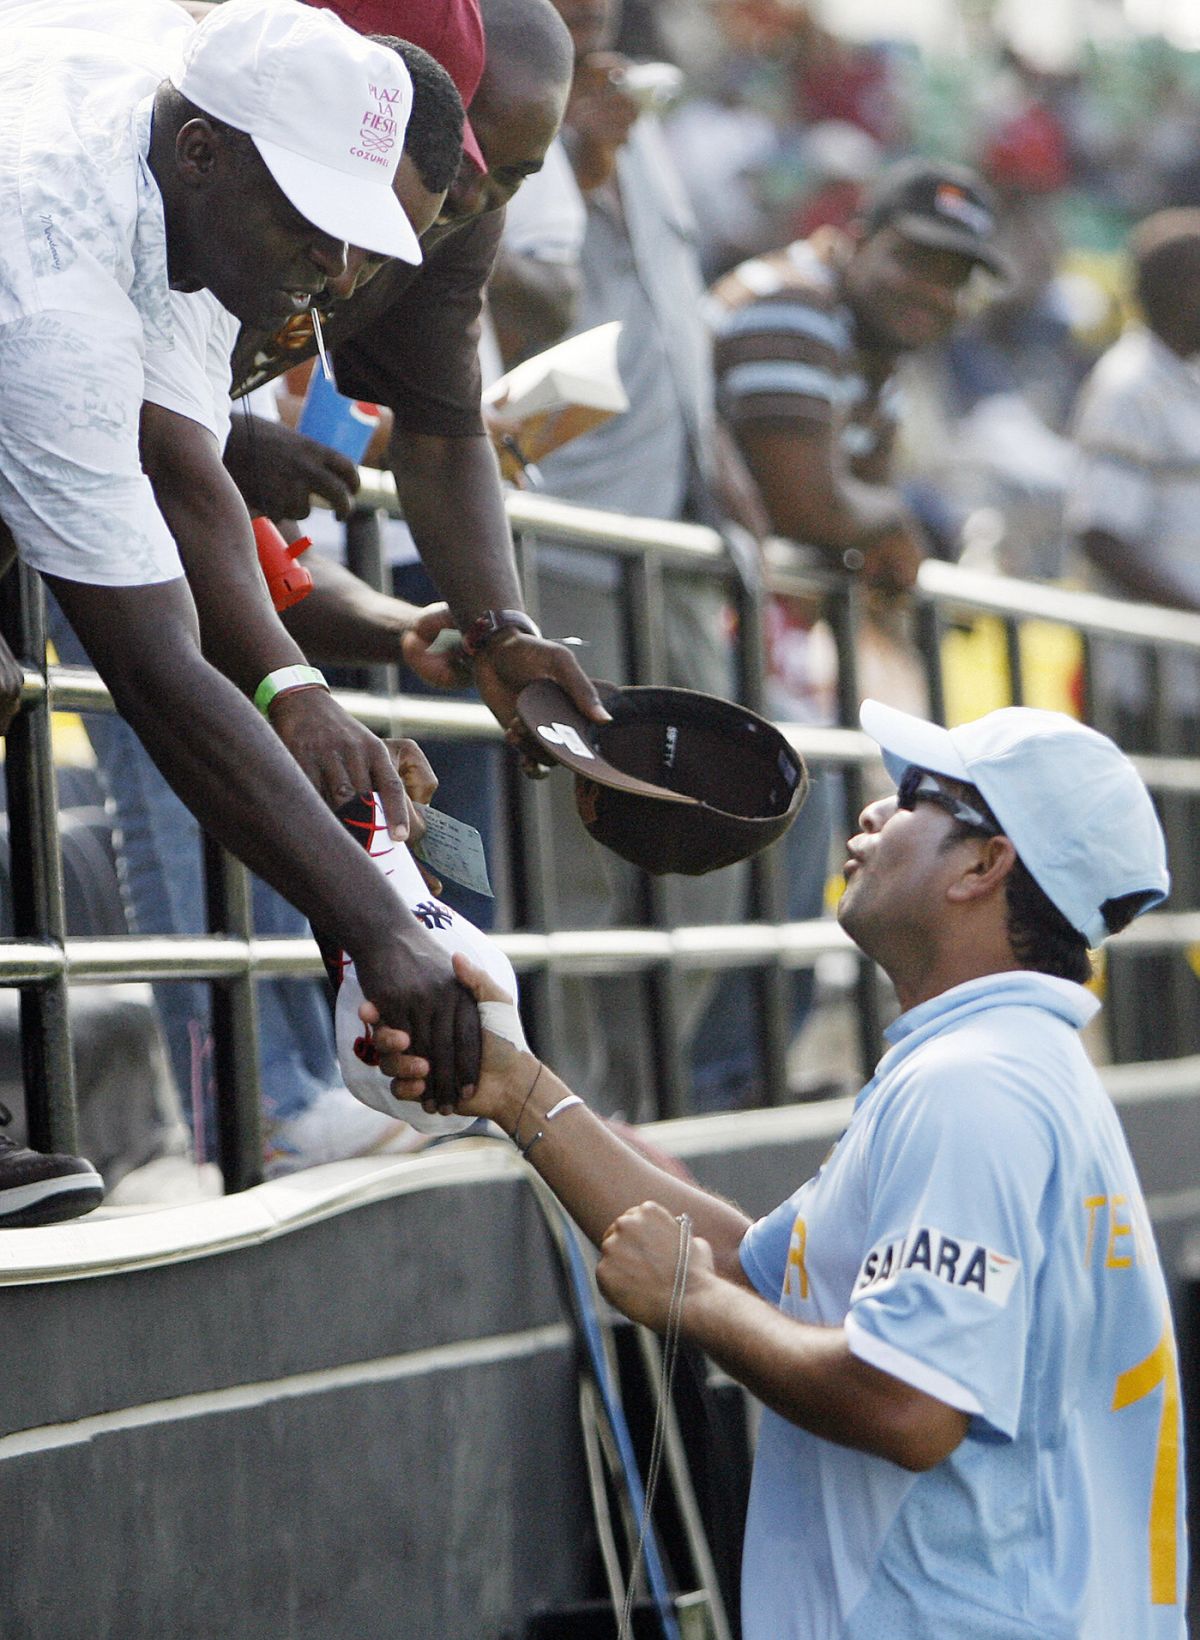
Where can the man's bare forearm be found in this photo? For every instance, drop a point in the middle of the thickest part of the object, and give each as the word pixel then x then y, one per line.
pixel 591 1169
pixel 532 302
pixel 808 494
pixel 222 757
pixel 239 630
pixel 846 513
pixel 1135 572
pixel 810 1376
pixel 450 491
pixel 343 619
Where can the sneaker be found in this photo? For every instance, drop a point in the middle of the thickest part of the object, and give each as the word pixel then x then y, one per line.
pixel 335 1128
pixel 39 1189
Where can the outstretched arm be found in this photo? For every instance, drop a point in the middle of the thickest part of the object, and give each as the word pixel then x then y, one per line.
pixel 630 1208
pixel 810 497
pixel 231 770
pixel 532 302
pixel 240 632
pixel 450 491
pixel 589 1167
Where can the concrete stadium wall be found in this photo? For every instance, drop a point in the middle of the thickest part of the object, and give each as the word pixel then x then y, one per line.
pixel 343 1406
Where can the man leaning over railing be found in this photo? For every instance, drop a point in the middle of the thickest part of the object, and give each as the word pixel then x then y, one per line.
pixel 193 172
pixel 401 335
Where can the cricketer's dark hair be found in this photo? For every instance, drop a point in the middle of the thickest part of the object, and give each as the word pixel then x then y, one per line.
pixel 1041 937
pixel 433 140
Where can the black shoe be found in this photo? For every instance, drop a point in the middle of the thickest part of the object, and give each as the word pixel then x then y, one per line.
pixel 38 1189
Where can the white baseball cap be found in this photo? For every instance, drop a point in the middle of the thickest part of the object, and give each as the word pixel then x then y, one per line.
pixel 326 108
pixel 1070 801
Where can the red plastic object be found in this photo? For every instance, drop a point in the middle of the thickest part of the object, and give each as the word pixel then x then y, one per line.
pixel 287 581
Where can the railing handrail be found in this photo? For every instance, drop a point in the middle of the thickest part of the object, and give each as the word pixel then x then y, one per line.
pixel 945 583
pixel 233 960
pixel 1035 600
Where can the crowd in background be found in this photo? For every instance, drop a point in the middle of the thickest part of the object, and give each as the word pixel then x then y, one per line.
pixel 780 130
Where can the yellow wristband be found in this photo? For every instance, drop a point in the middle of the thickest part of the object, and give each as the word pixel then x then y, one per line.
pixel 285 679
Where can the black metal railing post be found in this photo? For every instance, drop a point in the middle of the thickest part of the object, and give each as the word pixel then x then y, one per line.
pixel 774 984
pixel 532 850
pixel 647 612
pixel 844 618
pixel 35 863
pixel 235 1027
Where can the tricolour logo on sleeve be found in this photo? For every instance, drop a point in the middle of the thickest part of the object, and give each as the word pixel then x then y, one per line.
pixel 952 1259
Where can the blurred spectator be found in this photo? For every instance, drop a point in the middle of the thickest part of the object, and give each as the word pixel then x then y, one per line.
pixel 838 162
pixel 533 289
pixel 1025 145
pixel 807 343
pixel 1134 506
pixel 1135 500
pixel 638 266
pixel 982 452
pixel 720 149
pixel 836 80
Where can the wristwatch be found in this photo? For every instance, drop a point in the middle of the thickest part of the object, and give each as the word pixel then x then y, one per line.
pixel 480 633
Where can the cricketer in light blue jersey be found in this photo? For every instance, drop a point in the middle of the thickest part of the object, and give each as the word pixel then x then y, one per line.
pixel 959 1328
pixel 980 1233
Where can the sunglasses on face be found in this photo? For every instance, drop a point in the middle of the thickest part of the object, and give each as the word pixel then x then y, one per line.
pixel 919 786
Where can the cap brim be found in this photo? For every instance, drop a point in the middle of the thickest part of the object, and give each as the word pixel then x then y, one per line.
pixel 359 211
pixel 944 237
pixel 471 148
pixel 568 737
pixel 910 742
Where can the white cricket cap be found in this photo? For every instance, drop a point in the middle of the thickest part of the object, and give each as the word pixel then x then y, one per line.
pixel 326 108
pixel 1070 801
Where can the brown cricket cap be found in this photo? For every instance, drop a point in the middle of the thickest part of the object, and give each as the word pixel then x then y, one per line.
pixel 678 781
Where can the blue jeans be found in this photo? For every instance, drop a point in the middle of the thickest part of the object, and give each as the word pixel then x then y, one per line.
pixel 161 863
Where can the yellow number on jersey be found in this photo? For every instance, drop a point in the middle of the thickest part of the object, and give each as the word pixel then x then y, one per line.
pixel 796 1250
pixel 1159 1368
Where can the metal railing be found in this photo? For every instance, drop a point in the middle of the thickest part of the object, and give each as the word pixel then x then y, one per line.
pixel 43 962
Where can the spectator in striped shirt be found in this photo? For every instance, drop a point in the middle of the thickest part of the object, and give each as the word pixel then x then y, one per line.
pixel 807 343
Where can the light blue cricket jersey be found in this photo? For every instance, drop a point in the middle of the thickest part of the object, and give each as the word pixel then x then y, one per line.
pixel 980 1231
